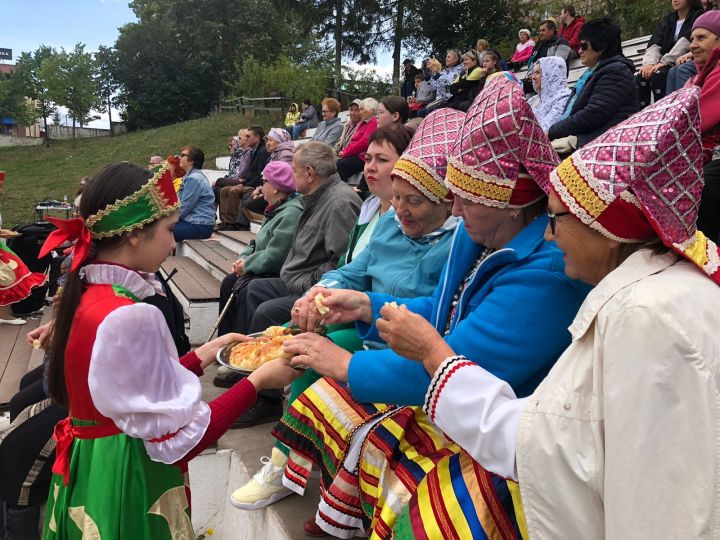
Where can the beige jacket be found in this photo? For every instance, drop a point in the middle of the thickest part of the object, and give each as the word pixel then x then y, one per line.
pixel 622 438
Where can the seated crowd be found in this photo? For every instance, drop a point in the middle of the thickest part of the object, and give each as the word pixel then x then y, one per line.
pixel 504 309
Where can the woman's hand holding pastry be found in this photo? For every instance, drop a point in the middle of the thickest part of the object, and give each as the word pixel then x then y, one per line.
pixel 411 336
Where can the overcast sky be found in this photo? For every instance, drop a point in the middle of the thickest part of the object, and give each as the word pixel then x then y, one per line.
pixel 27 24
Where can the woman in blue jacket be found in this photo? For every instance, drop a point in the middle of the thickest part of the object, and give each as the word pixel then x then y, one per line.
pixel 503 295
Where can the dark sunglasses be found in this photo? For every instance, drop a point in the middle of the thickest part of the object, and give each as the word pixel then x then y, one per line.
pixel 584 45
pixel 553 219
pixel 184 155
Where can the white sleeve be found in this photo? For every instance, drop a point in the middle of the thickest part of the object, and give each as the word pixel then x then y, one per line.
pixel 136 380
pixel 478 411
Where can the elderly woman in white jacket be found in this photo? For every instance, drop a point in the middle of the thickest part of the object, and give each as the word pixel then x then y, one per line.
pixel 622 438
pixel 549 79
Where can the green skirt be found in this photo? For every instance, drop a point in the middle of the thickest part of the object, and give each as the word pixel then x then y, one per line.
pixel 115 491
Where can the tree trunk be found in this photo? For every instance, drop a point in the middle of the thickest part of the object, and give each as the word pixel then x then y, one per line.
pixel 339 11
pixel 397 44
pixel 47 133
pixel 109 106
pixel 73 131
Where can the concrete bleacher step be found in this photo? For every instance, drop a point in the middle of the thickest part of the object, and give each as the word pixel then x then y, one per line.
pixel 235 240
pixel 199 293
pixel 215 474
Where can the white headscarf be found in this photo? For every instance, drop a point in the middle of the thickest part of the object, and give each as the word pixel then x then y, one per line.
pixel 549 104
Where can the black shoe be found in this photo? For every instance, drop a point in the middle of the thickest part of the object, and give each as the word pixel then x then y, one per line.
pixel 226 380
pixel 262 412
pixel 241 227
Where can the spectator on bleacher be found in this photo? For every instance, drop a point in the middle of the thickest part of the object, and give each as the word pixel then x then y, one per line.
pixel 292 116
pixel 252 204
pixel 549 79
pixel 427 72
pixel 706 53
pixel 409 71
pixel 548 44
pixel 392 109
pixel 464 89
pixel 329 130
pixel 424 94
pixel 398 259
pixel 523 49
pixel 239 163
pixel 605 94
pixel 684 67
pixel 442 80
pixel 570 26
pixel 231 197
pixel 352 158
pixel 197 202
pixel 350 126
pixel 155 161
pixel 308 119
pixel 669 41
pixel 278 143
pixel 265 255
pixel 481 45
pixel 330 208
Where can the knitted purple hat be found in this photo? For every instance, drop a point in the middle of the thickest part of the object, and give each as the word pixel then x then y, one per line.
pixel 709 20
pixel 280 176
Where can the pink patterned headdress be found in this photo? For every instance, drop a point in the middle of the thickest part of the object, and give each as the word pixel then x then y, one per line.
pixel 643 179
pixel 502 157
pixel 424 162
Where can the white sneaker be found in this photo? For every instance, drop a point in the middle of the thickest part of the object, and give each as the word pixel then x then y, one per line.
pixel 13 321
pixel 266 486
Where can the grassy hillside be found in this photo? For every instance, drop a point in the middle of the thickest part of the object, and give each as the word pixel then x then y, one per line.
pixel 36 173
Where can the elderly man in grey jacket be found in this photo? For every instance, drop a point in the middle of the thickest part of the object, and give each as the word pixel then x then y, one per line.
pixel 330 209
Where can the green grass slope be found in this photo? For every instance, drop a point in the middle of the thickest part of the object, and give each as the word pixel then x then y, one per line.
pixel 35 173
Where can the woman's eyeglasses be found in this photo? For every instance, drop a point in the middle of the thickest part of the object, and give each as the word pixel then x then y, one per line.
pixel 584 45
pixel 184 155
pixel 553 219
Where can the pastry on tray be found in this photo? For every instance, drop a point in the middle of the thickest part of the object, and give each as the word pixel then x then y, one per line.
pixel 250 355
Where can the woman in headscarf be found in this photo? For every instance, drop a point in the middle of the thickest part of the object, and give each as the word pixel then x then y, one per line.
pixel 549 80
pixel 621 439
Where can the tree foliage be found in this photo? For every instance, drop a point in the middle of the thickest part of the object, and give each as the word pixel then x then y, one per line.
pixel 29 68
pixel 70 77
pixel 13 102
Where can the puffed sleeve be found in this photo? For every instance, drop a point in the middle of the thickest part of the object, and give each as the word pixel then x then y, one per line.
pixel 136 380
pixel 478 411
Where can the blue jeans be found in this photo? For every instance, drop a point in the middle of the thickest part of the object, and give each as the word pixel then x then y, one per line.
pixel 192 231
pixel 298 129
pixel 679 75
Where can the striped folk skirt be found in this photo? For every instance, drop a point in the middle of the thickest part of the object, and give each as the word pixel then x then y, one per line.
pixel 372 458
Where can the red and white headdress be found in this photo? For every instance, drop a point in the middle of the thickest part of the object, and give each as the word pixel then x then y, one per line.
pixel 643 179
pixel 502 157
pixel 424 162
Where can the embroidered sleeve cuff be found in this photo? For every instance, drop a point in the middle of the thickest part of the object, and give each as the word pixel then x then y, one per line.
pixel 172 447
pixel 440 379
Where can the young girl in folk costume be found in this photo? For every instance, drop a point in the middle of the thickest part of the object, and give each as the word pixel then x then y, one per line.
pixel 136 415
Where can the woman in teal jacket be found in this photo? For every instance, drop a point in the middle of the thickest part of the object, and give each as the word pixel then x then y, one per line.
pixel 266 254
pixel 503 296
